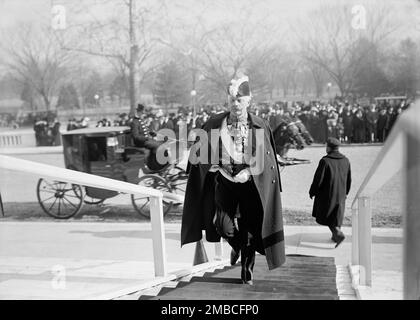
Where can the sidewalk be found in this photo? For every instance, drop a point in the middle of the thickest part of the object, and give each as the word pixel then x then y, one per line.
pixel 98 260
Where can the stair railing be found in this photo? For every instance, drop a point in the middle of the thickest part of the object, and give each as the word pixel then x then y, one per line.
pixel 401 151
pixel 86 179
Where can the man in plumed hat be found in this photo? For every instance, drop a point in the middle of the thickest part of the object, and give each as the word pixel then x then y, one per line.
pixel 230 196
pixel 330 187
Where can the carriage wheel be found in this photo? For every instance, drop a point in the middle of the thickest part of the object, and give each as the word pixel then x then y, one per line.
pixel 179 183
pixel 87 199
pixel 60 200
pixel 142 203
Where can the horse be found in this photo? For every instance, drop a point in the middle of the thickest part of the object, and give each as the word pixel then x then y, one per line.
pixel 303 131
pixel 290 132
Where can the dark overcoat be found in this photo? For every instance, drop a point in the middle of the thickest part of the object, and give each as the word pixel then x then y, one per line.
pixel 199 204
pixel 348 124
pixel 358 130
pixel 330 186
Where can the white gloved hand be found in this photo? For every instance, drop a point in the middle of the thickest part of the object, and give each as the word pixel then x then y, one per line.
pixel 242 176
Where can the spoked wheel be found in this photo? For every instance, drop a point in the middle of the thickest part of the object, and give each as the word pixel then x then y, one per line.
pixel 142 203
pixel 61 200
pixel 179 183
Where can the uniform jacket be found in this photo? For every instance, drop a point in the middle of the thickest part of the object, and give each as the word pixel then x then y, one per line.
pixel 199 206
pixel 139 132
pixel 330 186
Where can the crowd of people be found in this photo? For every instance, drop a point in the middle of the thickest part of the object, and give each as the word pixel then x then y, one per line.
pixel 74 124
pixel 348 122
pixel 47 133
pixel 7 120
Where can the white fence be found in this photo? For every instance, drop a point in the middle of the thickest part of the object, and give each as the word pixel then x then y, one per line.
pixel 85 179
pixel 17 139
pixel 401 151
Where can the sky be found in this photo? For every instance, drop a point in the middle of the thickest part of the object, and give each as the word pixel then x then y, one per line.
pixel 13 12
pixel 211 12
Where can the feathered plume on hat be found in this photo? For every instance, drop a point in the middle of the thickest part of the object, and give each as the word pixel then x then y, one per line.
pixel 239 87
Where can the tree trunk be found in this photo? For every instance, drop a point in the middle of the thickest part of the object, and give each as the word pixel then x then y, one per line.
pixel 46 100
pixel 133 76
pixel 342 87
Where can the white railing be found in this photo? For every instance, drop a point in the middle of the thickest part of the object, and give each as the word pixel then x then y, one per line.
pixel 19 138
pixel 85 179
pixel 401 151
pixel 13 139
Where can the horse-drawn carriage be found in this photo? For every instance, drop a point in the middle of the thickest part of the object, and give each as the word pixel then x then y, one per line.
pixel 109 152
pixel 106 152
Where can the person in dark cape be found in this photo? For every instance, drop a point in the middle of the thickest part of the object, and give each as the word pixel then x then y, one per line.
pixel 330 187
pixel 233 188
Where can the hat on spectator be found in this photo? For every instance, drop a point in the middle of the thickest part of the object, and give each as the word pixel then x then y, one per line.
pixel 140 107
pixel 333 143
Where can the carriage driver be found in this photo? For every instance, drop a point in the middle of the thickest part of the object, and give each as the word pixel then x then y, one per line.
pixel 142 138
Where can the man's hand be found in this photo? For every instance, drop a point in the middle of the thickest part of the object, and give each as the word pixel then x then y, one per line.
pixel 242 176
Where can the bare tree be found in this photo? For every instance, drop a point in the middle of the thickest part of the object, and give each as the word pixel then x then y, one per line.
pixel 319 77
pixel 127 39
pixel 328 38
pixel 35 59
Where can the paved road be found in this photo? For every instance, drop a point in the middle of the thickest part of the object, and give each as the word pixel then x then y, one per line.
pixel 101 258
pixel 18 187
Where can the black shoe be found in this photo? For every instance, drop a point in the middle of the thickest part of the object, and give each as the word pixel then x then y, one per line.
pixel 234 256
pixel 336 234
pixel 247 263
pixel 339 240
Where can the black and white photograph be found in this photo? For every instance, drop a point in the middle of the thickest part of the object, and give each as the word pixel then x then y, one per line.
pixel 215 155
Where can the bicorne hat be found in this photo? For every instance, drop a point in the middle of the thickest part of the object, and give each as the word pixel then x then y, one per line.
pixel 239 87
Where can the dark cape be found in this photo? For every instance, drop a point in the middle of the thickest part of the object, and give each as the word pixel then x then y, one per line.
pixel 199 205
pixel 330 186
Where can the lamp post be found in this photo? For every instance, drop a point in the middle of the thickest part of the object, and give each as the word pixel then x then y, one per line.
pixel 193 94
pixel 96 96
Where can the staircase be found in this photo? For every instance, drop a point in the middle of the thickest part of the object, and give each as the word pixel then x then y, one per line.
pixel 300 278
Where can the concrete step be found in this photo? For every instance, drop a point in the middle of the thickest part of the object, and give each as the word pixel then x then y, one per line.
pixel 265 286
pixel 289 282
pixel 217 291
pixel 301 277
